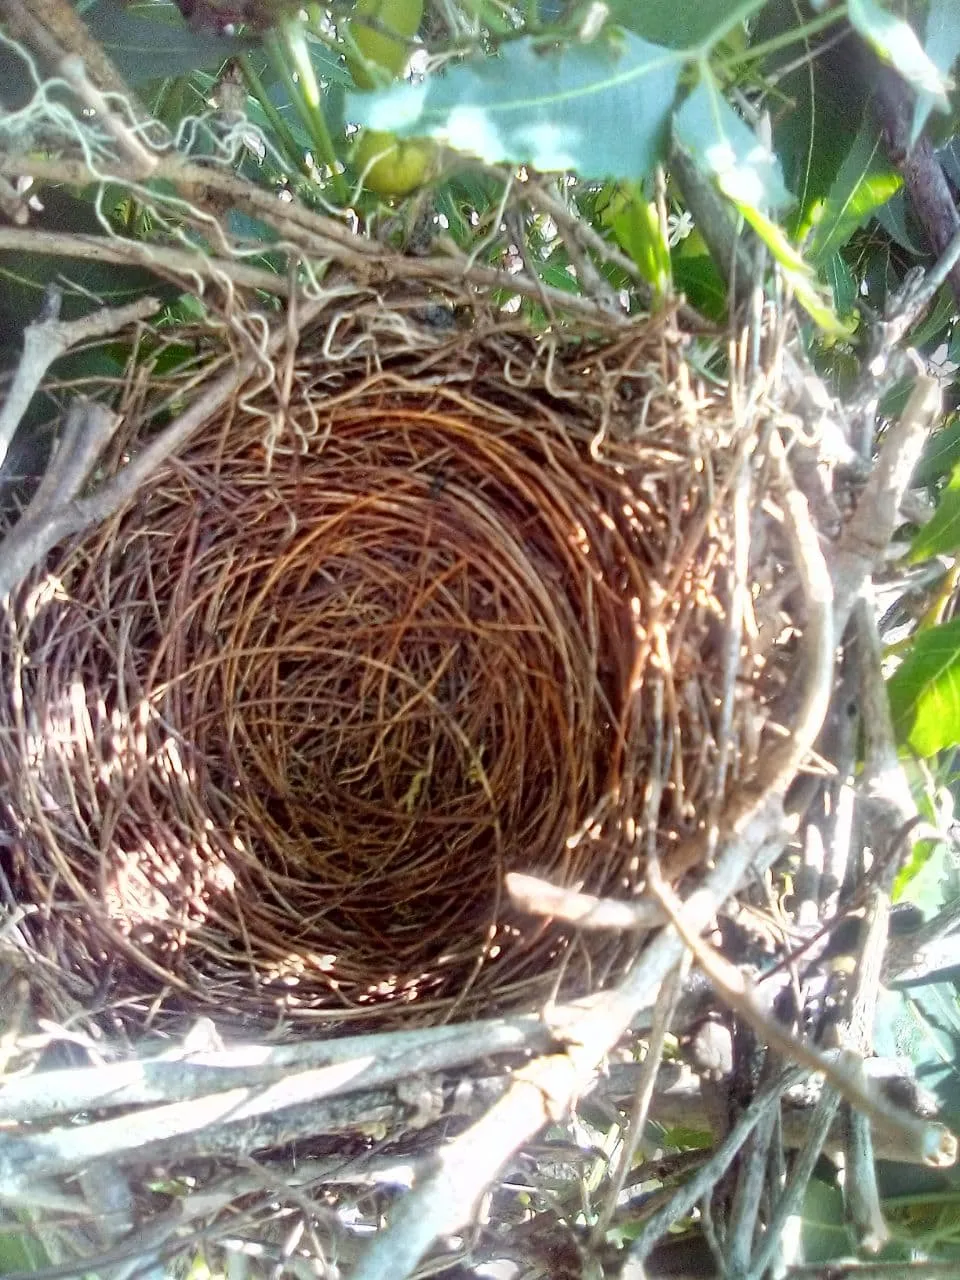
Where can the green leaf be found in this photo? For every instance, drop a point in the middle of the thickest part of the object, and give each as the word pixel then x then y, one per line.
pixel 701 283
pixel 825 1235
pixel 925 691
pixel 744 168
pixel 942 534
pixel 634 222
pixel 936 321
pixel 942 44
pixel 679 23
pixel 864 182
pixel 941 453
pixel 820 110
pixel 20 1250
pixel 555 273
pixel 923 1025
pixel 896 42
pixel 797 273
pixel 841 281
pixel 600 109
pixel 896 222
pixel 933 878
pixel 151 48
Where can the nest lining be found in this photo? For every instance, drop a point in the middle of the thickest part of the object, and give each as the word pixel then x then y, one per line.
pixel 277 732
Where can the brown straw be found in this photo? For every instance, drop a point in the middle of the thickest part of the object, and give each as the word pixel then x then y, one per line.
pixel 281 728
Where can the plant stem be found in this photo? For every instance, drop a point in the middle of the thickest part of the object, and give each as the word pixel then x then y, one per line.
pixel 288 50
pixel 256 90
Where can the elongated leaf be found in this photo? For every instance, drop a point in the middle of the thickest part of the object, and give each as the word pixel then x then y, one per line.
pixel 942 44
pixel 633 221
pixel 864 182
pixel 819 113
pixel 20 1250
pixel 679 23
pixel 896 42
pixel 601 109
pixel 152 47
pixel 925 691
pixel 942 534
pixel 745 169
pixel 841 281
pixel 942 452
pixel 893 216
pixel 933 325
pixel 797 273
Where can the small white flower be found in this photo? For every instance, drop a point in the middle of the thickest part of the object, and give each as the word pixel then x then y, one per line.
pixel 679 226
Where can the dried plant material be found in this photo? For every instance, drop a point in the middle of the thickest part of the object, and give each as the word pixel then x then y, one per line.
pixel 377 637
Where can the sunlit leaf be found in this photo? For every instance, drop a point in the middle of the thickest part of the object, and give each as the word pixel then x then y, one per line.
pixel 600 109
pixel 925 691
pixel 896 42
pixel 942 534
pixel 942 45
pixel 797 274
pixel 933 880
pixel 634 222
pixel 864 182
pixel 745 168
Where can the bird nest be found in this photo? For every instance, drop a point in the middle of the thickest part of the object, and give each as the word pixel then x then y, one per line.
pixel 437 602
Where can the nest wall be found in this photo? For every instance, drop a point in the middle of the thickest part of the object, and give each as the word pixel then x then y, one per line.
pixel 446 607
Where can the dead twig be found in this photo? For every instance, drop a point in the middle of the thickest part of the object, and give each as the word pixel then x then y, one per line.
pixel 585 910
pixel 800 1175
pixel 937 1143
pixel 868 533
pixel 183 1074
pixel 29 541
pixel 664 1010
pixel 49 338
pixel 702 1182
pixel 189 269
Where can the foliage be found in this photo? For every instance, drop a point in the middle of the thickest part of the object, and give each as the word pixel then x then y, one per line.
pixel 409 113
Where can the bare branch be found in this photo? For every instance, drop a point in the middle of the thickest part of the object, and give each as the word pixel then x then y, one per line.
pixel 47 340
pixel 800 1175
pixel 708 1175
pixel 662 1019
pixel 182 1073
pixel 541 898
pixel 938 1144
pixel 875 520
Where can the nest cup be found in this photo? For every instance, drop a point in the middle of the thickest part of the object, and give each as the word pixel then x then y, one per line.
pixel 434 603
